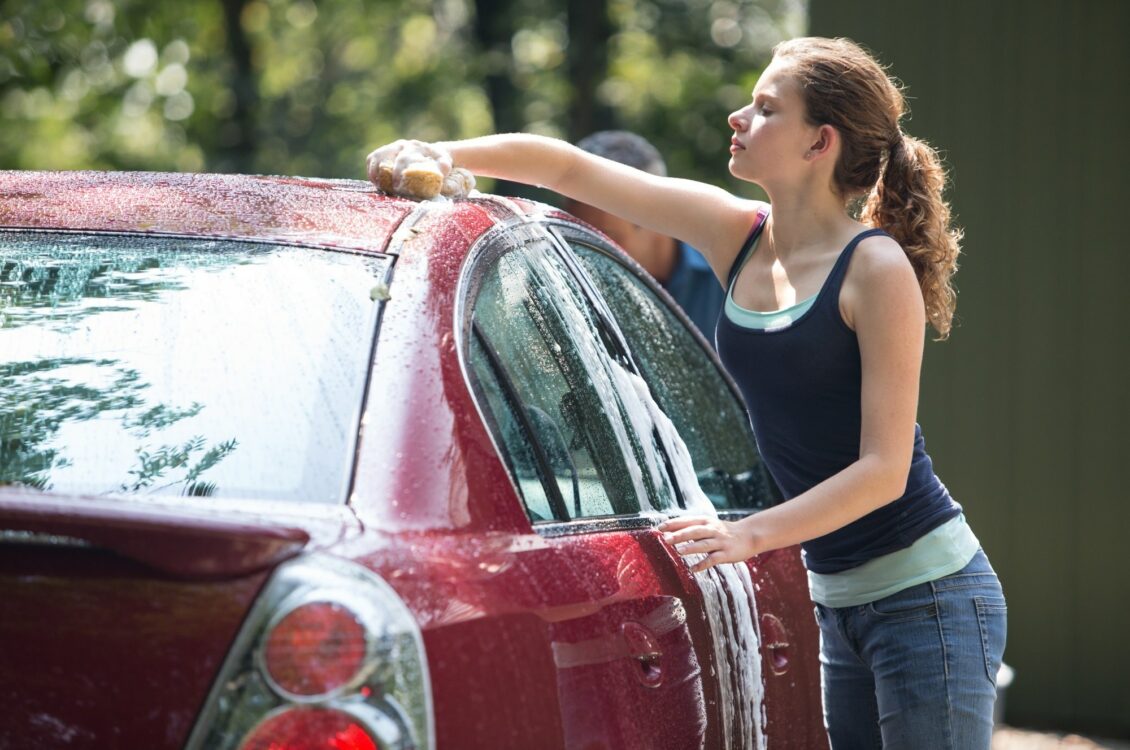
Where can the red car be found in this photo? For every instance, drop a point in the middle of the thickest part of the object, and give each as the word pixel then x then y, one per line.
pixel 288 463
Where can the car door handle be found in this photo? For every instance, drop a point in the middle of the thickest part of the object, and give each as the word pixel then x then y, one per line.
pixel 643 647
pixel 775 640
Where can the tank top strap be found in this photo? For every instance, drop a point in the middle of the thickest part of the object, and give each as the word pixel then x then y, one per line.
pixel 747 246
pixel 836 278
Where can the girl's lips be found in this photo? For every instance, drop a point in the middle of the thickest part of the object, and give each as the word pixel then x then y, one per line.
pixel 736 145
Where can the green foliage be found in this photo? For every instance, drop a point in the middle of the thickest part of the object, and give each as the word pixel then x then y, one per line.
pixel 294 87
pixel 95 84
pixel 35 403
pixel 54 286
pixel 158 418
pixel 154 465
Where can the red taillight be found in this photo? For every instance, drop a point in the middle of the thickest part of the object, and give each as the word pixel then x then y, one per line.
pixel 310 729
pixel 315 649
pixel 329 658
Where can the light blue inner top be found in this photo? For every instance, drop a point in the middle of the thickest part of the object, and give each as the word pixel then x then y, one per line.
pixel 947 549
pixel 763 321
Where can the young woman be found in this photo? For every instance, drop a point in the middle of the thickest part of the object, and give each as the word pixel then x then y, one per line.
pixel 823 331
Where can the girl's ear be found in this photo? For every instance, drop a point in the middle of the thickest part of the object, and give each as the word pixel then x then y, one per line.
pixel 826 138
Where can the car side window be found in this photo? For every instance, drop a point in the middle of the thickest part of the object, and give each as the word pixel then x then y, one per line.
pixel 547 377
pixel 687 385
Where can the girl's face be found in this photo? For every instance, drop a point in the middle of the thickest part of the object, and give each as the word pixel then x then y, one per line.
pixel 771 133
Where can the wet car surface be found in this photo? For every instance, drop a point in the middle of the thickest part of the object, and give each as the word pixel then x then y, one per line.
pixel 290 461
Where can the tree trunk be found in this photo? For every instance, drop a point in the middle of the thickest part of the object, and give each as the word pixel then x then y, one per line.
pixel 494 30
pixel 590 29
pixel 237 152
pixel 495 25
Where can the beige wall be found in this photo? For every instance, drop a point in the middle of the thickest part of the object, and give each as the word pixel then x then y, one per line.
pixel 1025 409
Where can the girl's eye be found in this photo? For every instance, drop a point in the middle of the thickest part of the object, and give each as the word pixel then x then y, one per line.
pixel 764 111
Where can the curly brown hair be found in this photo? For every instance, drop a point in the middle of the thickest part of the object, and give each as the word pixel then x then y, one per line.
pixel 902 177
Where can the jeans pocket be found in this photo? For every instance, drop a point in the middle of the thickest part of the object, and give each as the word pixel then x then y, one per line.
pixel 914 603
pixel 992 619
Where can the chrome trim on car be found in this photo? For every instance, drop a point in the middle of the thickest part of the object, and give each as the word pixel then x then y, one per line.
pixel 17 536
pixel 597 525
pixel 312 244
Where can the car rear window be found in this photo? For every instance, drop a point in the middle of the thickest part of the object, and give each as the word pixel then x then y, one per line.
pixel 172 366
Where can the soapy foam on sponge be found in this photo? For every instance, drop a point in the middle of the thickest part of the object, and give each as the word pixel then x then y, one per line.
pixel 412 169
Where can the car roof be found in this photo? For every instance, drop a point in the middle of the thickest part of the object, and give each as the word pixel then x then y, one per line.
pixel 430 240
pixel 350 214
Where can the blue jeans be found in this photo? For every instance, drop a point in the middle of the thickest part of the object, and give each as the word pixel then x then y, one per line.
pixel 916 670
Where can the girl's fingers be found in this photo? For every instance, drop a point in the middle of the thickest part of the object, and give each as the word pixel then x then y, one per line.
pixel 707 562
pixel 372 163
pixel 685 535
pixel 706 544
pixel 690 534
pixel 380 155
pixel 674 524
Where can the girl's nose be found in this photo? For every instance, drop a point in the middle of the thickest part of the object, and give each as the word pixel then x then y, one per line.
pixel 737 120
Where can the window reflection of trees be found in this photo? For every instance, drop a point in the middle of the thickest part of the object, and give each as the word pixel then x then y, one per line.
pixel 57 281
pixel 76 276
pixel 35 402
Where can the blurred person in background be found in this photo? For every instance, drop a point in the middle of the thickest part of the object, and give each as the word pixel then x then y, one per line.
pixel 678 267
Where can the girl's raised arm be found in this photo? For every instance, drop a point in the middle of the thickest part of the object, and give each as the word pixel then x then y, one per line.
pixel 706 217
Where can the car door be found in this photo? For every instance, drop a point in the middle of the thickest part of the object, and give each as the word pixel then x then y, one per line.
pixel 691 388
pixel 631 636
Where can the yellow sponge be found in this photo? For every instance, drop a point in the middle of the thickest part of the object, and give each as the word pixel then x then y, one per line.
pixel 421 180
pixel 384 177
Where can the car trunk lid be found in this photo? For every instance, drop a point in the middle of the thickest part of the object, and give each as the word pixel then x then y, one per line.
pixel 179 542
pixel 117 614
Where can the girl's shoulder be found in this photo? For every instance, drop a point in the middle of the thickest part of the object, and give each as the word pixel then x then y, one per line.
pixel 879 273
pixel 750 218
pixel 735 231
pixel 879 254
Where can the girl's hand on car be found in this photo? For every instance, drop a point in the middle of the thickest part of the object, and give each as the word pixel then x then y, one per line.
pixel 720 541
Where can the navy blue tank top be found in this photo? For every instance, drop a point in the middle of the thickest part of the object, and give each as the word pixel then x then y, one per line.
pixel 803 387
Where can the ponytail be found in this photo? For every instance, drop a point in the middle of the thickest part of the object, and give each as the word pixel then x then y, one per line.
pixel 902 177
pixel 907 203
